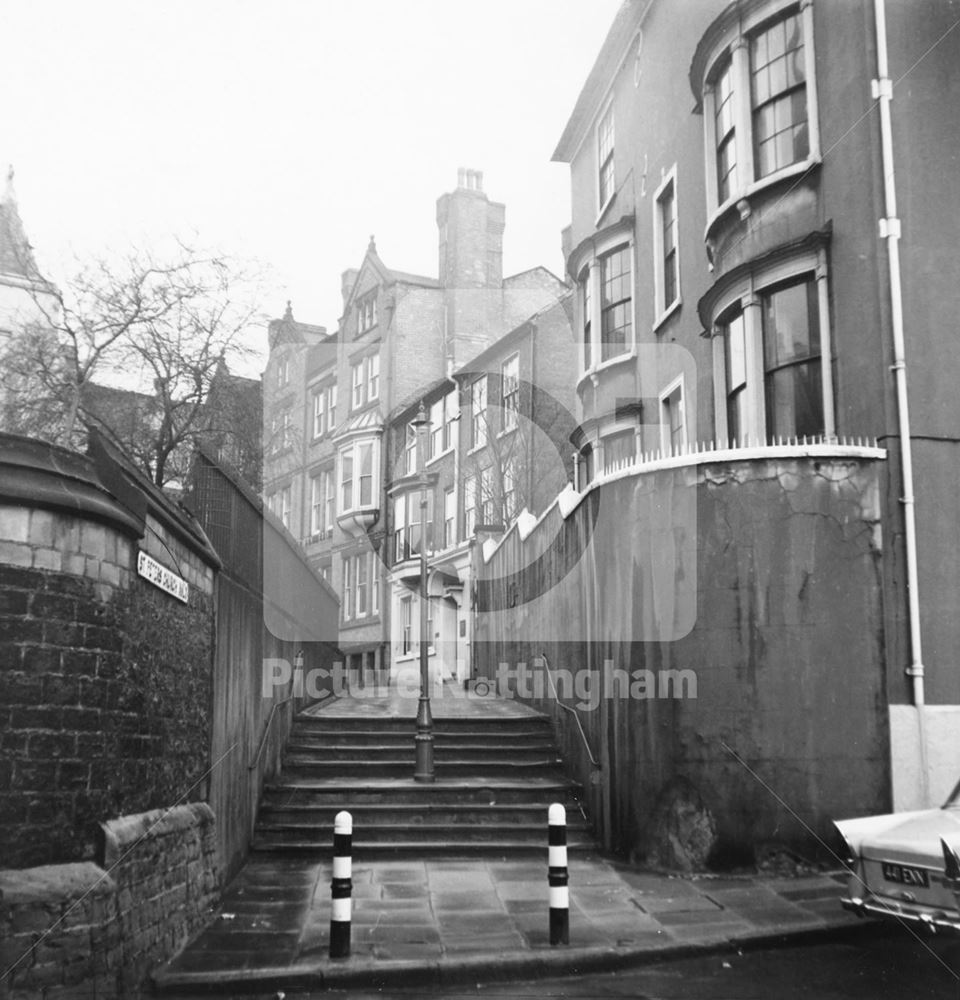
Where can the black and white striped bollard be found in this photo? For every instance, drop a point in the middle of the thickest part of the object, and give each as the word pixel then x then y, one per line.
pixel 557 860
pixel 341 885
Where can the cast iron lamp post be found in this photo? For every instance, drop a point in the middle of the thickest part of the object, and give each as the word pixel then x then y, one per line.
pixel 423 770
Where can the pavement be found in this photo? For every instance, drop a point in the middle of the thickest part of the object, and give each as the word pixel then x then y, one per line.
pixel 434 923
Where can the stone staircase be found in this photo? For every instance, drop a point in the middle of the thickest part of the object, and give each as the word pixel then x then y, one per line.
pixel 495 779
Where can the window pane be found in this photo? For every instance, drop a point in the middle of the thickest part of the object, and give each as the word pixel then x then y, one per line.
pixel 779 96
pixel 615 303
pixel 618 450
pixel 791 350
pixel 587 307
pixel 366 474
pixel 795 401
pixel 791 324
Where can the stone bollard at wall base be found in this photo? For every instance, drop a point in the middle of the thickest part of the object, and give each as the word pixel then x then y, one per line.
pixel 558 877
pixel 341 885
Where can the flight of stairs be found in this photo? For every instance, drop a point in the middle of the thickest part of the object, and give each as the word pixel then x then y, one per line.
pixel 495 779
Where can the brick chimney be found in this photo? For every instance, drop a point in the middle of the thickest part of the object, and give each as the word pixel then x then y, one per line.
pixel 471 235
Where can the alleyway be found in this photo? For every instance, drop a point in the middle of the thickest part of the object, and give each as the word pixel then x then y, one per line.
pixel 476 912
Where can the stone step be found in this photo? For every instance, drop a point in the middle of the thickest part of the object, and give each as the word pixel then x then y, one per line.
pixel 404 751
pixel 466 791
pixel 373 738
pixel 414 815
pixel 403 765
pixel 538 725
pixel 506 847
pixel 400 833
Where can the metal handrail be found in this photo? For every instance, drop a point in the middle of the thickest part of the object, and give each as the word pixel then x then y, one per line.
pixel 572 710
pixel 266 731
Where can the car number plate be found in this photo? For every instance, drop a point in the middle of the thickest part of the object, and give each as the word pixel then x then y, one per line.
pixel 905 875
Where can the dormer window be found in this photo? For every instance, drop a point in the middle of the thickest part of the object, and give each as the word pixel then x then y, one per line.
pixel 367 312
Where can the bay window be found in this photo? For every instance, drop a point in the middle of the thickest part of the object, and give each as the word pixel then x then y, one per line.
pixel 772 355
pixel 605 287
pixel 791 352
pixel 615 303
pixel 778 96
pixel 758 78
pixel 358 461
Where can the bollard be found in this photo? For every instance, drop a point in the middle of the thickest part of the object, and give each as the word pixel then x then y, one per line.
pixel 341 885
pixel 557 860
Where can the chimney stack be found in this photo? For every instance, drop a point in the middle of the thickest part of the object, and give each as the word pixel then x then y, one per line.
pixel 471 235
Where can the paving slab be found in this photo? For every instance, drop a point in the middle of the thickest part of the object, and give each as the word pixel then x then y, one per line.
pixel 470 919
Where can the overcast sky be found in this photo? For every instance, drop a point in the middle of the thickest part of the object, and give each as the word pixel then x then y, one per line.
pixel 289 132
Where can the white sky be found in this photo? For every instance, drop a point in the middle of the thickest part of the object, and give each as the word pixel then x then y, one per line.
pixel 290 131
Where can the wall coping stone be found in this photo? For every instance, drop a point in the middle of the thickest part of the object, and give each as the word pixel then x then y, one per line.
pixel 38 474
pixel 50 883
pixel 123 832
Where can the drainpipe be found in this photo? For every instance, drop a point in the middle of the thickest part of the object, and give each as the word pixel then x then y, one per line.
pixel 882 89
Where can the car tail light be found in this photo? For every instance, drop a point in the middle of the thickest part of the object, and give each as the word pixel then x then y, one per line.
pixel 951 864
pixel 847 853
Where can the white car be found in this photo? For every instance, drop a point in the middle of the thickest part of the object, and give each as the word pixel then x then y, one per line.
pixel 906 866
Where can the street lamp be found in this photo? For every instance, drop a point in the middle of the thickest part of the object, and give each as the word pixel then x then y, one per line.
pixel 423 770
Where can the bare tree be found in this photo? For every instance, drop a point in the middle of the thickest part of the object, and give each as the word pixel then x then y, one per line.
pixel 161 325
pixel 520 465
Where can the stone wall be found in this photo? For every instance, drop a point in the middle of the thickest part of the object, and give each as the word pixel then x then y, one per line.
pixel 105 722
pixel 104 679
pixel 85 929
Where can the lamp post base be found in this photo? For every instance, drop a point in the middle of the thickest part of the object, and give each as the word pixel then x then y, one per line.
pixel 423 770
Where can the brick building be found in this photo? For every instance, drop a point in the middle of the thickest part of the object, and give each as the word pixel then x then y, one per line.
pixel 754 313
pixel 331 400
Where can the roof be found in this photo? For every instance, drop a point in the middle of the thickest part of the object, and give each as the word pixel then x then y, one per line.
pixel 16 254
pixel 428 393
pixel 614 47
pixel 515 279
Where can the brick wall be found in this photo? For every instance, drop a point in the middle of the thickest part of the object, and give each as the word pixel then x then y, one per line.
pixel 104 681
pixel 83 929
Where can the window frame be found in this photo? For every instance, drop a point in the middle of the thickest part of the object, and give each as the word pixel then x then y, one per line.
pixel 610 434
pixel 324 409
pixel 589 286
pixel 745 298
pixel 676 387
pixel 367 317
pixel 510 399
pixel 478 414
pixel 351 452
pixel 662 259
pixel 449 517
pixel 446 409
pixel 732 48
pixel 323 494
pixel 364 380
pixel 604 198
